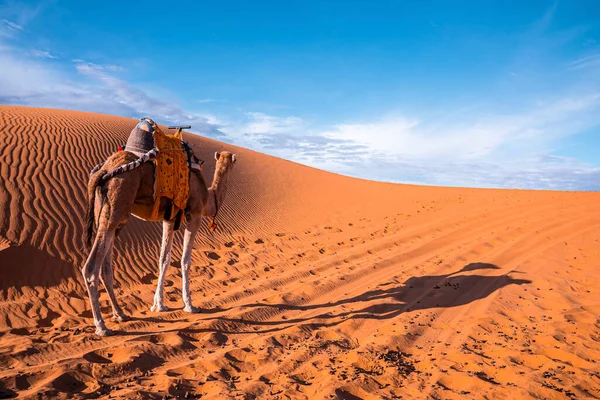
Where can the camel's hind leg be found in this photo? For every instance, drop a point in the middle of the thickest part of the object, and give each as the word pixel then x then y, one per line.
pixel 165 259
pixel 111 213
pixel 186 261
pixel 91 276
pixel 108 279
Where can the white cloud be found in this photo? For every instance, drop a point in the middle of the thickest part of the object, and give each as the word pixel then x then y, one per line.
pixel 42 54
pixel 93 87
pixel 208 100
pixel 588 61
pixel 259 123
pixel 84 66
pixel 9 28
pixel 467 137
pixel 36 82
pixel 12 25
pixel 16 15
pixel 493 150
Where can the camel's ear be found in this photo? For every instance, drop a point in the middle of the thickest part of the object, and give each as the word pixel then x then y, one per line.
pixel 217 154
pixel 233 158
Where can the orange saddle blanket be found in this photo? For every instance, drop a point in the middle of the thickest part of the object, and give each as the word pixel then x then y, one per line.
pixel 171 173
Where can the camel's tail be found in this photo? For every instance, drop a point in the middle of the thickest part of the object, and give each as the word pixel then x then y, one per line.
pixel 91 198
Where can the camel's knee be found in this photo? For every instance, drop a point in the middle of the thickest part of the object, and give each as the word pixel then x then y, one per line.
pixel 90 275
pixel 87 272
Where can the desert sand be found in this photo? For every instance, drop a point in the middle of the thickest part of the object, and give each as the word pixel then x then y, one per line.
pixel 315 285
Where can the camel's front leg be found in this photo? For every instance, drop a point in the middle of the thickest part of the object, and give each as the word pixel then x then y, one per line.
pixel 165 259
pixel 108 278
pixel 91 277
pixel 186 261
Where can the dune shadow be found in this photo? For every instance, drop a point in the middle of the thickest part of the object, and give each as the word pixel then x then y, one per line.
pixel 27 266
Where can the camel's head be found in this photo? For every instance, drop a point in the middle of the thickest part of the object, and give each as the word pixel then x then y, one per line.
pixel 225 160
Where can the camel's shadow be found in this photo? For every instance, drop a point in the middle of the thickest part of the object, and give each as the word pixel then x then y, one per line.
pixel 416 293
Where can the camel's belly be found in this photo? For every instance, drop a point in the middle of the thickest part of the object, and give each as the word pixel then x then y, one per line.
pixel 143 210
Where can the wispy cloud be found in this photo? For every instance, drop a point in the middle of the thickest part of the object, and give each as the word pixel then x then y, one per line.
pixel 208 100
pixel 83 66
pixel 93 87
pixel 289 137
pixel 16 15
pixel 472 136
pixel 588 61
pixel 142 104
pixel 9 28
pixel 534 173
pixel 12 25
pixel 260 123
pixel 42 54
pixel 493 150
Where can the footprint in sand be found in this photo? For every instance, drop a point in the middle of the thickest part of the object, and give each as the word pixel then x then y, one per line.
pixel 212 255
pixel 148 278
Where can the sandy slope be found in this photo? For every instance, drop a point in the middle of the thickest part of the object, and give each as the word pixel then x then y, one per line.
pixel 314 286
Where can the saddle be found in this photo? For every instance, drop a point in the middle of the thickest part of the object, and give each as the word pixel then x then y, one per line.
pixel 173 163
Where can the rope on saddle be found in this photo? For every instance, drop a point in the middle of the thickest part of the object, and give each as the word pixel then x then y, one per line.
pixel 96 168
pixel 127 167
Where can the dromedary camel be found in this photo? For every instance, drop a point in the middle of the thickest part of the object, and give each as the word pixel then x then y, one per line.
pixel 110 204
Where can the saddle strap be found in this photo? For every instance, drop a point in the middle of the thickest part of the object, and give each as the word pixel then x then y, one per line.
pixel 127 167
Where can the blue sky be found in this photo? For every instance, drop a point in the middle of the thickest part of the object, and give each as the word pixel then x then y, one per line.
pixel 464 93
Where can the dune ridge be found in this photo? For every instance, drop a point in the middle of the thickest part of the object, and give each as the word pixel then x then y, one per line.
pixel 315 285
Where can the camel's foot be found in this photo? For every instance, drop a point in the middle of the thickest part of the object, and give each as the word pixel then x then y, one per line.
pixel 121 317
pixel 159 308
pixel 191 309
pixel 104 331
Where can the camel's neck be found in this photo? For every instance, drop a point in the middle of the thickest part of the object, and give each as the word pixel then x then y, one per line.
pixel 216 191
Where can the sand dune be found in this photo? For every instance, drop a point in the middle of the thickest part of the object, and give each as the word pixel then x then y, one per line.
pixel 314 286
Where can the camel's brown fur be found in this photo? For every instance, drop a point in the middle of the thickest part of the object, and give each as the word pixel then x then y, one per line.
pixel 109 207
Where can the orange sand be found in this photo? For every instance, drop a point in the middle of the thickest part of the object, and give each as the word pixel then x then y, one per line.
pixel 314 286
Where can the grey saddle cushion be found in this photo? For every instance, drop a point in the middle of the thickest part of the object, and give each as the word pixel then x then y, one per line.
pixel 141 138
